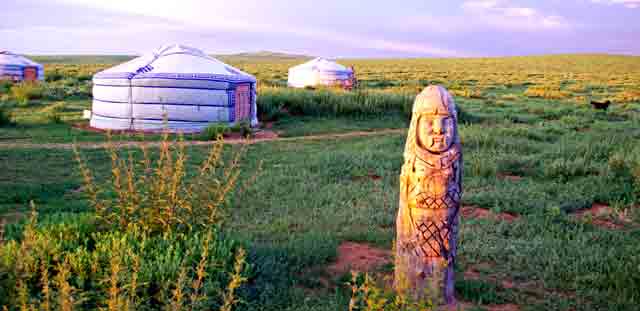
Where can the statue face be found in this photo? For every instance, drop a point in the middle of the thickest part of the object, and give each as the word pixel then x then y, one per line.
pixel 436 130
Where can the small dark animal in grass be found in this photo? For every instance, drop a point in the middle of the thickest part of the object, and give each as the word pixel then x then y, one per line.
pixel 601 105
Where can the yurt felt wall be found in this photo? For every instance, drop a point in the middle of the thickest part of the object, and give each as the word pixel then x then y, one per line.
pixel 317 72
pixel 176 88
pixel 19 68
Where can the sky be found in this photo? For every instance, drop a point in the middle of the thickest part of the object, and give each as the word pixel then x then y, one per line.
pixel 330 28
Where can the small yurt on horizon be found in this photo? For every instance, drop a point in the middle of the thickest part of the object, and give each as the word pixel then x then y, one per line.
pixel 177 88
pixel 319 72
pixel 16 67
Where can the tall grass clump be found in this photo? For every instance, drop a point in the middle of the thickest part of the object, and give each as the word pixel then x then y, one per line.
pixel 331 103
pixel 153 240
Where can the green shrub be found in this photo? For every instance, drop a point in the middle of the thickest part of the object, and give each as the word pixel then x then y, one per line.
pixel 244 128
pixel 217 130
pixel 25 91
pixel 54 75
pixel 5 117
pixel 214 131
pixel 5 86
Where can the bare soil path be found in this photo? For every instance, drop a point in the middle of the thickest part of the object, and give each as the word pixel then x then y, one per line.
pixel 265 137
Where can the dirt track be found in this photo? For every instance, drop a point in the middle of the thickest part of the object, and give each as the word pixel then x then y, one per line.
pixel 233 141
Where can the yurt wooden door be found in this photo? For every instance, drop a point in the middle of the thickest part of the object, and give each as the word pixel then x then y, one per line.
pixel 30 74
pixel 243 102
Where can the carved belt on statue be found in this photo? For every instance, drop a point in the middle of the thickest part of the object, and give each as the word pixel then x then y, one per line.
pixel 432 234
pixel 449 200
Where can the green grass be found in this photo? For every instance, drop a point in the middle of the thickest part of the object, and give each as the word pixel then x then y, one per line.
pixel 307 201
pixel 311 196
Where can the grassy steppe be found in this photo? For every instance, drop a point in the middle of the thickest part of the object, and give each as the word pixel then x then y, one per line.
pixel 525 117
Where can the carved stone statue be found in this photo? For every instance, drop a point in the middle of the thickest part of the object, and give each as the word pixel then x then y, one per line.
pixel 430 191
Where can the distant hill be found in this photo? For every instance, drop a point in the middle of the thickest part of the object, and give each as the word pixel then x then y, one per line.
pixel 81 59
pixel 262 56
pixel 275 57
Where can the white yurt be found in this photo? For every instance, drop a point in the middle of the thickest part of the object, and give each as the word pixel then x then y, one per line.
pixel 19 68
pixel 177 85
pixel 319 71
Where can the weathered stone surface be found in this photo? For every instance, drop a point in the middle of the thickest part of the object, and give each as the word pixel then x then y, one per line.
pixel 430 191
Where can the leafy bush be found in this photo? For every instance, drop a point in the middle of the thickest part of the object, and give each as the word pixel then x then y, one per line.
pixel 54 75
pixel 5 86
pixel 25 91
pixel 217 130
pixel 214 131
pixel 5 117
pixel 244 128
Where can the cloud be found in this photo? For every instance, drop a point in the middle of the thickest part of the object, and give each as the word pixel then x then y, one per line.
pixel 501 14
pixel 264 19
pixel 631 4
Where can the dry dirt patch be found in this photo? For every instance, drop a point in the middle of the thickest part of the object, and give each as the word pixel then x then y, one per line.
pixel 259 135
pixel 475 212
pixel 603 216
pixel 358 257
pixel 369 176
pixel 509 176
pixel 470 306
pixel 352 256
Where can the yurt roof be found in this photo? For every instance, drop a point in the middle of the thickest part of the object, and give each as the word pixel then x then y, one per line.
pixel 8 58
pixel 321 64
pixel 176 62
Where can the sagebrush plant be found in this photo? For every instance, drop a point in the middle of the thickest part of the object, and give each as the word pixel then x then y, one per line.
pixel 156 195
pixel 366 295
pixel 153 241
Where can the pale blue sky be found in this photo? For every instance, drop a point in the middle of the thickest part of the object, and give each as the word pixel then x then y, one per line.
pixel 332 28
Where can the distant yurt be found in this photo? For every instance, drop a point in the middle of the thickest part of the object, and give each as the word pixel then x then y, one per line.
pixel 19 68
pixel 177 88
pixel 319 72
